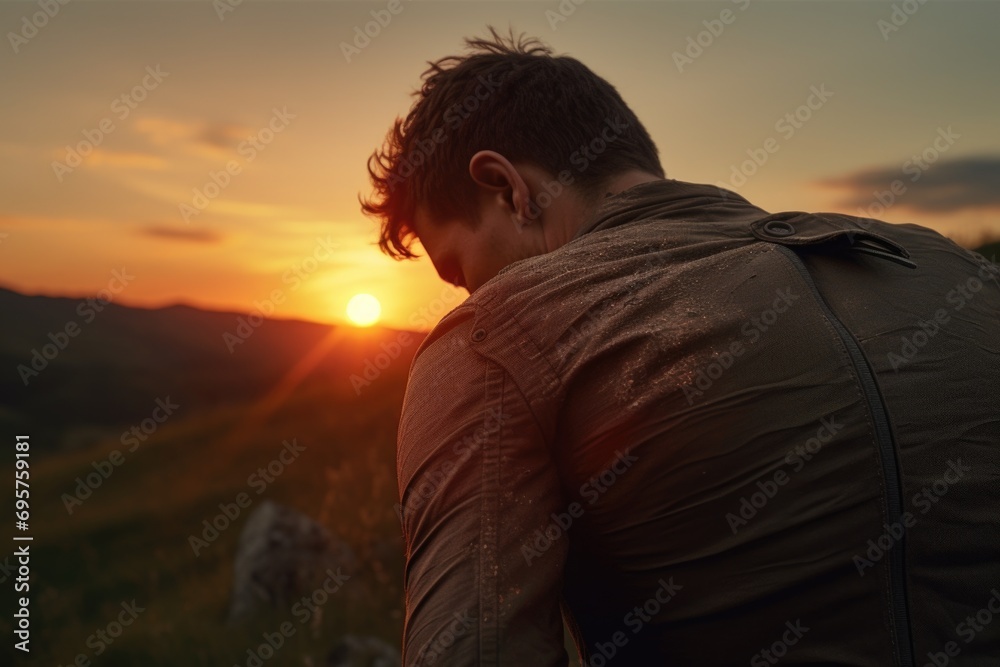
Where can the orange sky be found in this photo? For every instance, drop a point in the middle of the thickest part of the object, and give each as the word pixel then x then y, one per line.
pixel 260 111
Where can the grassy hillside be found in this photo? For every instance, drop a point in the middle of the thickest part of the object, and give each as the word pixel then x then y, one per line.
pixel 109 374
pixel 130 538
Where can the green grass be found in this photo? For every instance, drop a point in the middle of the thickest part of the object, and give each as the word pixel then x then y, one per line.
pixel 129 539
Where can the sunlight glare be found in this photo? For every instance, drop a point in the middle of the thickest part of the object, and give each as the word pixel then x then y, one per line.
pixel 363 310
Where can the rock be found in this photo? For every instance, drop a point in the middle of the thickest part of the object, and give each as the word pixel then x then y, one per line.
pixel 354 651
pixel 282 554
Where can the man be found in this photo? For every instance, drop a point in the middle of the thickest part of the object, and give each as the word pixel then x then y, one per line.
pixel 698 432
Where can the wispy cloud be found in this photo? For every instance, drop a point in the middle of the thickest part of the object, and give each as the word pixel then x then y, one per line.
pixel 200 137
pixel 100 157
pixel 945 187
pixel 179 234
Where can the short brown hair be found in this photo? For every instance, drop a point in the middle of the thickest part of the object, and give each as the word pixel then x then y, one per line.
pixel 509 95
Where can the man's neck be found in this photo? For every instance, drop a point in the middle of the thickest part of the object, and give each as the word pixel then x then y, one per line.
pixel 568 214
pixel 628 180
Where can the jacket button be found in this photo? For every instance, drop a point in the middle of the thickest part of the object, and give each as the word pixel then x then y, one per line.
pixel 778 228
pixel 478 335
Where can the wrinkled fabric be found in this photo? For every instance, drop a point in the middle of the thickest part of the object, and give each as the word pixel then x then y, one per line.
pixel 656 434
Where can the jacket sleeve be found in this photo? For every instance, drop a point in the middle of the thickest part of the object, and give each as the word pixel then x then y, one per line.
pixel 478 490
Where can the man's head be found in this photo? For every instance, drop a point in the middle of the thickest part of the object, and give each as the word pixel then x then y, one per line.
pixel 503 153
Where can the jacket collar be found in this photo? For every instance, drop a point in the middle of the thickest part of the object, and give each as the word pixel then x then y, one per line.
pixel 668 199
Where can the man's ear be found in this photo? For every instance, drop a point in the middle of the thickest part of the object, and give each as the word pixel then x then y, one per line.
pixel 501 181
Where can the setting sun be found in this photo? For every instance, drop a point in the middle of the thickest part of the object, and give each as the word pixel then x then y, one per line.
pixel 363 310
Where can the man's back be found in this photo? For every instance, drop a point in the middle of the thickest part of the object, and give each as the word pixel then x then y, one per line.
pixel 719 450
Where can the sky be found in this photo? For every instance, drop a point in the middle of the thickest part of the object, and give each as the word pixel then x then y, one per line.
pixel 213 153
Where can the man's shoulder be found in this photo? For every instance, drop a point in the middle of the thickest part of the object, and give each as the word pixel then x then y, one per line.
pixel 537 309
pixel 448 335
pixel 599 261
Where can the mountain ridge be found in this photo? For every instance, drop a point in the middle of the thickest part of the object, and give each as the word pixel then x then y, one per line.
pixel 74 371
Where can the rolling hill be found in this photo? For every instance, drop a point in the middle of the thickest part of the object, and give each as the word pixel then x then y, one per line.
pixel 102 539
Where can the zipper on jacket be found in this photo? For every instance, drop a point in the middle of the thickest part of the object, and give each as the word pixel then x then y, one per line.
pixel 899 609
